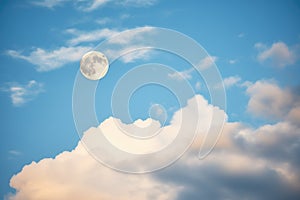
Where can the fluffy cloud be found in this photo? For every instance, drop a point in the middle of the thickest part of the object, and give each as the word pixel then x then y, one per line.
pixel 279 54
pixel 255 163
pixel 76 175
pixel 22 93
pixel 49 60
pixel 270 101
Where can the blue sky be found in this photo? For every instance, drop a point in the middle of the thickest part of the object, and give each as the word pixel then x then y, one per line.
pixel 255 45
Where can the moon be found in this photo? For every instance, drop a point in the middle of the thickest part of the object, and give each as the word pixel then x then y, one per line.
pixel 94 65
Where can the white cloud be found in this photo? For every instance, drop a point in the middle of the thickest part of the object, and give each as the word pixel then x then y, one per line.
pixel 138 3
pixel 233 61
pixel 14 152
pixel 231 81
pixel 187 74
pixel 268 100
pixel 53 59
pixel 49 3
pixel 47 60
pixel 130 45
pixel 21 94
pixel 136 55
pixel 133 36
pixel 241 35
pixel 182 75
pixel 90 36
pixel 279 54
pixel 207 62
pixel 85 178
pixel 198 85
pixel 103 21
pixel 94 5
pixel 88 6
pixel 125 16
pixel 76 175
pixel 257 163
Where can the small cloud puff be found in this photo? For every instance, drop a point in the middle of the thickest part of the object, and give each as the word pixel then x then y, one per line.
pixel 279 54
pixel 23 93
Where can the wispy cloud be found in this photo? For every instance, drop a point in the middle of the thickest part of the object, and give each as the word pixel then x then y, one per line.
pixel 79 43
pixel 79 36
pixel 93 5
pixel 23 93
pixel 136 55
pixel 131 45
pixel 187 74
pixel 88 6
pixel 182 75
pixel 137 3
pixel 45 60
pixel 14 152
pixel 279 54
pixel 49 3
pixel 104 21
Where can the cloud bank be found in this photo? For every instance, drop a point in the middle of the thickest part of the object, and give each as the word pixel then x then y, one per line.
pixel 250 162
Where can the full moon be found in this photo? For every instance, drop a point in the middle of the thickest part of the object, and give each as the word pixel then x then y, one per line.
pixel 94 65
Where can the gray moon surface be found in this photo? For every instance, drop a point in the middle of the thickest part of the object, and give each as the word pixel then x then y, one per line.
pixel 94 65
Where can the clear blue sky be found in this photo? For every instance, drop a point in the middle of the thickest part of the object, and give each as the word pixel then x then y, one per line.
pixel 255 44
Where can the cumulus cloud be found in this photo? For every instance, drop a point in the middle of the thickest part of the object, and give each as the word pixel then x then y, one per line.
pixel 270 101
pixel 252 162
pixel 256 163
pixel 45 60
pixel 76 175
pixel 23 93
pixel 279 54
